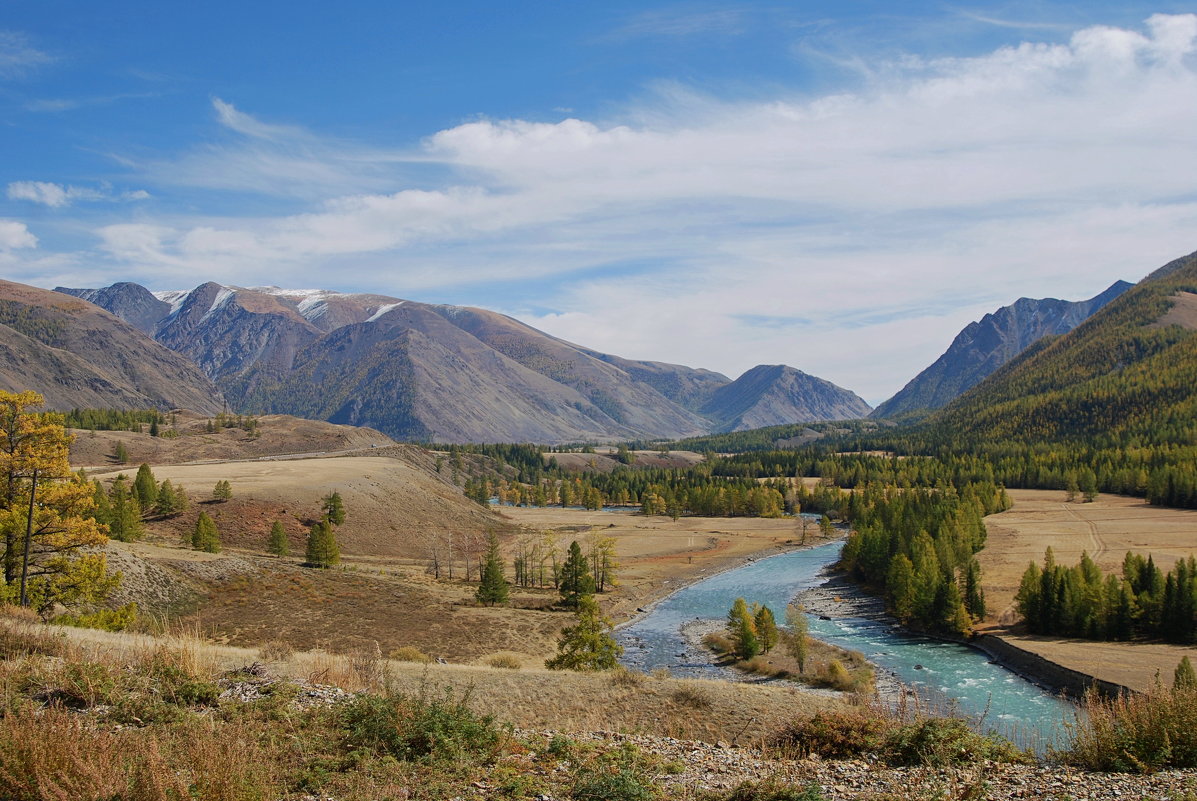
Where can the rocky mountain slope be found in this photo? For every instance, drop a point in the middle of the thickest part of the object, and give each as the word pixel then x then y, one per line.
pixel 984 346
pixel 76 354
pixel 1128 375
pixel 771 392
pixel 421 371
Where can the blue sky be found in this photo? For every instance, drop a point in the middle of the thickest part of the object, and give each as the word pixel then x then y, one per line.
pixel 839 187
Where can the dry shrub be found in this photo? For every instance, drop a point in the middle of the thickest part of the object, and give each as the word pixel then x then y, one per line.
pixel 323 667
pixel 276 651
pixel 661 673
pixel 505 660
pixel 23 634
pixel 53 755
pixel 837 677
pixel 719 642
pixel 409 653
pixel 834 735
pixel 620 676
pixel 369 667
pixel 692 696
pixel 1136 733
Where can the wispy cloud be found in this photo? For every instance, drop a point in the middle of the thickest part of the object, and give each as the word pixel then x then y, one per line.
pixel 1025 25
pixel 61 104
pixel 18 55
pixel 879 221
pixel 56 196
pixel 680 22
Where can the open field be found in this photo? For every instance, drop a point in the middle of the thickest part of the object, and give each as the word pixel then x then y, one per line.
pixel 657 554
pixel 1107 529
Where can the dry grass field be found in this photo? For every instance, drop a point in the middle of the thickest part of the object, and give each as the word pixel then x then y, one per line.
pixel 529 697
pixel 393 507
pixel 1107 529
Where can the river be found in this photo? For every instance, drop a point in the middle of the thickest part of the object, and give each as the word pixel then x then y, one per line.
pixel 979 689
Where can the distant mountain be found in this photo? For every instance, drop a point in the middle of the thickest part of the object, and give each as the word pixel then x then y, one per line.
pixel 77 355
pixel 984 346
pixel 448 373
pixel 1126 377
pixel 773 394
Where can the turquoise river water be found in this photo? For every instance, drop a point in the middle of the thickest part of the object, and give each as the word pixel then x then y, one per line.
pixel 962 676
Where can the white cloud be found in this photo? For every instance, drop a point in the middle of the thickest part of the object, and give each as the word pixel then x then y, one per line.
pixel 59 195
pixel 18 55
pixel 15 235
pixel 885 217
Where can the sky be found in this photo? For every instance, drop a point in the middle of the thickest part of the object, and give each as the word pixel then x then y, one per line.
pixel 837 186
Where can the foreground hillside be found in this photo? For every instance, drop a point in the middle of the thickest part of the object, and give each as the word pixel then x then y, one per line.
pixel 92 715
pixel 430 372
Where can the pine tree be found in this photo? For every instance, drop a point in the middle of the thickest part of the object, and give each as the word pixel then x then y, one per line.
pixel 766 628
pixel 493 588
pixel 171 500
pixel 223 491
pixel 576 580
pixel 587 645
pixel 742 631
pixel 278 544
pixel 333 508
pixel 145 488
pixel 322 550
pixel 205 537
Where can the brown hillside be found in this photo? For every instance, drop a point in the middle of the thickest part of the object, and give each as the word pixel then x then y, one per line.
pixel 395 509
pixel 274 435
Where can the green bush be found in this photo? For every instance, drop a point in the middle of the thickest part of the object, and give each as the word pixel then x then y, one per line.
pixel 609 783
pixel 105 619
pixel 945 741
pixel 421 728
pixel 775 791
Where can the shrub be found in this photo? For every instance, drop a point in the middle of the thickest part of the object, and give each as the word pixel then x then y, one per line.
pixel 409 653
pixel 774 791
pixel 104 619
pixel 1138 734
pixel 834 735
pixel 945 741
pixel 276 651
pixel 622 677
pixel 692 696
pixel 421 728
pixel 505 660
pixel 603 783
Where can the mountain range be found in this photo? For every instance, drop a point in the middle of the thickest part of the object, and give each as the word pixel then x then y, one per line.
pixel 421 371
pixel 984 346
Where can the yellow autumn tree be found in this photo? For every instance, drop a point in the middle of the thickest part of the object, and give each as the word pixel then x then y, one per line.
pixel 49 536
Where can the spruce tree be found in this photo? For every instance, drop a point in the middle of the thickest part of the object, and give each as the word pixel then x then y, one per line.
pixel 171 500
pixel 493 588
pixel 333 508
pixel 576 580
pixel 205 537
pixel 587 645
pixel 278 544
pixel 145 487
pixel 124 516
pixel 223 491
pixel 322 550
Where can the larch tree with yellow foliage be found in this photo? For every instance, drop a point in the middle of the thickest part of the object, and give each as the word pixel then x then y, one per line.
pixel 49 534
